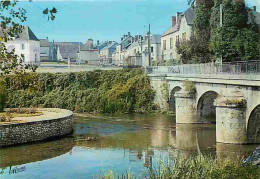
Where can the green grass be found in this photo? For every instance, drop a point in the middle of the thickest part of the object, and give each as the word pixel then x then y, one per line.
pixel 198 167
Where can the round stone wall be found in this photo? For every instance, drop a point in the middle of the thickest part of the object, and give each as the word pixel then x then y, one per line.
pixel 53 123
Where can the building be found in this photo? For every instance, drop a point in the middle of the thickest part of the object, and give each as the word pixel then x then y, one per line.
pixel 122 52
pixel 68 51
pixel 105 54
pixel 180 31
pixel 89 53
pixel 26 46
pixel 44 50
pixel 155 50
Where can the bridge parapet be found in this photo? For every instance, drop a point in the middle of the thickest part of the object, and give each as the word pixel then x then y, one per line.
pixel 231 68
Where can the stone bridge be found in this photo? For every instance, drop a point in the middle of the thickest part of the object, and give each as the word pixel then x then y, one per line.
pixel 230 101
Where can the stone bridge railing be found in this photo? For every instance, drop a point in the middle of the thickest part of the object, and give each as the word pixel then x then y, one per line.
pixel 233 68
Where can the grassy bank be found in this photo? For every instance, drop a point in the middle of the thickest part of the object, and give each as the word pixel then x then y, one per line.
pixel 199 167
pixel 115 91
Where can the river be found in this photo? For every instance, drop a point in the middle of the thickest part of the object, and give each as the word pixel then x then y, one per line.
pixel 127 143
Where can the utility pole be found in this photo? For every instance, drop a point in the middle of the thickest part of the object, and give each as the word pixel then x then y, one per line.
pixel 221 25
pixel 149 46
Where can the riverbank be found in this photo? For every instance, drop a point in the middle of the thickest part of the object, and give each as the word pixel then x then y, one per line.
pixel 107 92
pixel 198 167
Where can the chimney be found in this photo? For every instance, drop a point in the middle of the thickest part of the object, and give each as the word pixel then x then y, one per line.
pixel 174 21
pixel 129 34
pixel 97 42
pixel 47 38
pixel 177 17
pixel 122 38
pixel 254 8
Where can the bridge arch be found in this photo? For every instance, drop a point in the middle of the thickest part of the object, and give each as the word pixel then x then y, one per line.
pixel 253 126
pixel 172 105
pixel 206 109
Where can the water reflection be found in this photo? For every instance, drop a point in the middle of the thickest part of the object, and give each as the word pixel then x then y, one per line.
pixel 124 143
pixel 234 152
pixel 19 155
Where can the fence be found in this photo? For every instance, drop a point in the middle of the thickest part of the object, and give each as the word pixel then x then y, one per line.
pixel 240 67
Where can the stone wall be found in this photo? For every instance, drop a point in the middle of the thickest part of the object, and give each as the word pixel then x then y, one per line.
pixel 12 134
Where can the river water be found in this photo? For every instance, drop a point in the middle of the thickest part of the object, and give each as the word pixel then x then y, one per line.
pixel 129 143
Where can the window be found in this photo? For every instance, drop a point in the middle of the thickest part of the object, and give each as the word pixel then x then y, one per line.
pixel 171 43
pixel 23 46
pixel 151 49
pixel 177 40
pixel 164 44
pixel 184 37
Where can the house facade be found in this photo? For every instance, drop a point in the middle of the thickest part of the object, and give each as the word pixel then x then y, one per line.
pixel 105 54
pixel 155 50
pixel 68 51
pixel 181 30
pixel 26 46
pixel 89 53
pixel 44 50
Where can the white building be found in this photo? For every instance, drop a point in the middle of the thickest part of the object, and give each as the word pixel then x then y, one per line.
pixel 155 50
pixel 106 54
pixel 26 46
pixel 89 54
pixel 180 31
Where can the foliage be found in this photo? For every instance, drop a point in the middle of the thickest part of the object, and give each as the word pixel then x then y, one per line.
pixel 12 16
pixel 196 50
pixel 115 91
pixel 197 167
pixel 236 102
pixel 204 167
pixel 3 95
pixel 236 39
pixel 190 87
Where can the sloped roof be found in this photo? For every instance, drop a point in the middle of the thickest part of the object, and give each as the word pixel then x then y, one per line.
pixel 155 39
pixel 27 34
pixel 189 15
pixel 88 45
pixel 109 46
pixel 102 45
pixel 255 18
pixel 133 45
pixel 68 49
pixel 44 43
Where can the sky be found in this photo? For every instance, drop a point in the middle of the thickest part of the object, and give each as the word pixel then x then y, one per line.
pixel 79 20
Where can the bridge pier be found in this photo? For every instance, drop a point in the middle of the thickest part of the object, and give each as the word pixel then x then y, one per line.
pixel 185 108
pixel 231 119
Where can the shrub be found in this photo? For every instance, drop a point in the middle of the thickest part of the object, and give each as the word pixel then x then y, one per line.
pixel 190 87
pixel 115 91
pixel 3 95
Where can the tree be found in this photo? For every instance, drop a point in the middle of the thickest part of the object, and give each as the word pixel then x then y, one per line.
pixel 196 50
pixel 236 39
pixel 12 16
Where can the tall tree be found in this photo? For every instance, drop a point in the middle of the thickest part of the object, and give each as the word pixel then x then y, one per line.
pixel 196 50
pixel 235 39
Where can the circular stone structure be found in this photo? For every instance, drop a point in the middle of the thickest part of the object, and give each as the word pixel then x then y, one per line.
pixel 52 123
